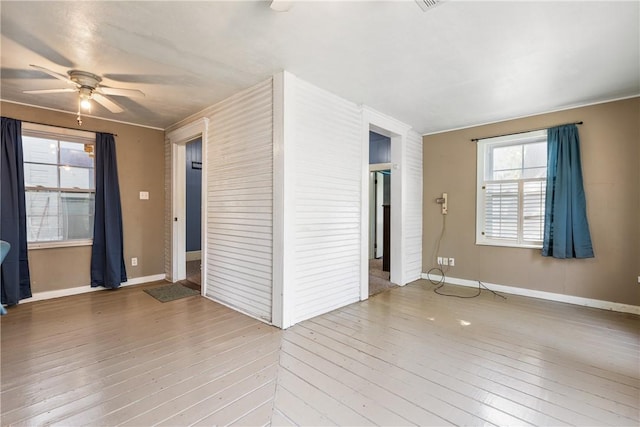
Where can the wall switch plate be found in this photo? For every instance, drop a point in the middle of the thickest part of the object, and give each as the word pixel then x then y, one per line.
pixel 452 262
pixel 134 261
pixel 439 260
pixel 445 261
pixel 144 195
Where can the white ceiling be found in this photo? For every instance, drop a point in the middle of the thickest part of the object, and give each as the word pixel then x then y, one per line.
pixel 459 64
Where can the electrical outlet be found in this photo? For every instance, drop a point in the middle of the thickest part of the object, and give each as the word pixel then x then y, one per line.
pixel 134 261
pixel 445 261
pixel 445 208
pixel 439 260
pixel 452 262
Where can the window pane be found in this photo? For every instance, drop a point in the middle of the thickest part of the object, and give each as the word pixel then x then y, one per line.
pixel 507 162
pixel 39 150
pixel 535 160
pixel 507 174
pixel 40 175
pixel 71 177
pixel 77 215
pixel 73 154
pixel 535 173
pixel 42 216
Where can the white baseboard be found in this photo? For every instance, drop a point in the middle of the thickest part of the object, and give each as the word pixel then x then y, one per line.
pixel 570 299
pixel 39 296
pixel 193 255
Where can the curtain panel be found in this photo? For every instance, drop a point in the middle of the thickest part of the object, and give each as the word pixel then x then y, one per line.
pixel 566 229
pixel 107 254
pixel 14 273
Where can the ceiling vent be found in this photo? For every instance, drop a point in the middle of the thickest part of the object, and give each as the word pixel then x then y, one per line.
pixel 428 4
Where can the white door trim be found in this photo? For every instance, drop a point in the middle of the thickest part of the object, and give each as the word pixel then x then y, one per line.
pixel 178 139
pixel 397 131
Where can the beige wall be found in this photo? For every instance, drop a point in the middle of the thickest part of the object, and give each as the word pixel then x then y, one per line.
pixel 610 143
pixel 140 168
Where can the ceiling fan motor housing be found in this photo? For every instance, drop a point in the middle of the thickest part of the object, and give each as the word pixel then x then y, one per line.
pixel 84 79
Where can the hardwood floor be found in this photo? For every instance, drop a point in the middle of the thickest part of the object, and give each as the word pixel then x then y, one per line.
pixel 378 279
pixel 194 275
pixel 403 357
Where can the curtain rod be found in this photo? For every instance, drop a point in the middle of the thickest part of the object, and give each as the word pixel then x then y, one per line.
pixel 523 131
pixel 63 127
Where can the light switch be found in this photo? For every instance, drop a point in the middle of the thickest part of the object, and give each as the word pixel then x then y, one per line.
pixel 144 195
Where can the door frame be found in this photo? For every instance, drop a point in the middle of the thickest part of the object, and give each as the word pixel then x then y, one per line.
pixel 397 132
pixel 178 140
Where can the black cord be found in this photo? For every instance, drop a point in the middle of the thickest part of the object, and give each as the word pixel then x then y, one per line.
pixel 440 283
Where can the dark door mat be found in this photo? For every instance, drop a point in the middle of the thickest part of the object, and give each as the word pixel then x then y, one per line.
pixel 171 292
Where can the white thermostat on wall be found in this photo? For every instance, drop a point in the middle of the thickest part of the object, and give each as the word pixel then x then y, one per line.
pixel 144 195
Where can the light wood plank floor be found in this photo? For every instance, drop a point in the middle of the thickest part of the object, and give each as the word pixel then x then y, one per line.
pixel 404 357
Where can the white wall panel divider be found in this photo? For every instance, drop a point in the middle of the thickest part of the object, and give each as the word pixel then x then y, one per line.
pixel 287 184
pixel 328 151
pixel 412 218
pixel 239 202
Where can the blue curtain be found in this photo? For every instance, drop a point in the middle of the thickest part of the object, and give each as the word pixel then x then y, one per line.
pixel 107 255
pixel 14 275
pixel 566 230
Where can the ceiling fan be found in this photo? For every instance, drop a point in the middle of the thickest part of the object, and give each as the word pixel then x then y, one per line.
pixel 89 88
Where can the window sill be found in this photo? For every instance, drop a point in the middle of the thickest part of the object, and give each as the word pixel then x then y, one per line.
pixel 61 244
pixel 509 244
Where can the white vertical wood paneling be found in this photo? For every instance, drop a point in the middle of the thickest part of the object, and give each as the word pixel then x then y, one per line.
pixel 412 221
pixel 328 154
pixel 240 202
pixel 168 200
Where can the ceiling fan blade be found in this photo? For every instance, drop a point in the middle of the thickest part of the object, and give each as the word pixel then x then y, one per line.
pixel 49 91
pixel 107 103
pixel 53 74
pixel 120 92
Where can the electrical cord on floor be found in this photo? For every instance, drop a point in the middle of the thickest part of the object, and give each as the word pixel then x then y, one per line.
pixel 441 282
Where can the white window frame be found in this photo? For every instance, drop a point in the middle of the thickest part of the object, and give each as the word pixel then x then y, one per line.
pixel 483 146
pixel 67 135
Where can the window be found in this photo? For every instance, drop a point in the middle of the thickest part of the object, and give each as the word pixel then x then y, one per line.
pixel 59 184
pixel 512 173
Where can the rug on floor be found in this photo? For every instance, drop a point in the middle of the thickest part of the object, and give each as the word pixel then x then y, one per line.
pixel 171 292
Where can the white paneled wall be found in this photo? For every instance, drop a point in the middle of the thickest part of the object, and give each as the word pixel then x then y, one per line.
pixel 328 153
pixel 240 202
pixel 412 221
pixel 288 246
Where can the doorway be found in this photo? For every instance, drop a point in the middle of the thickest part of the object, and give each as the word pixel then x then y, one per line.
pixel 178 139
pixel 380 231
pixel 193 213
pixel 379 213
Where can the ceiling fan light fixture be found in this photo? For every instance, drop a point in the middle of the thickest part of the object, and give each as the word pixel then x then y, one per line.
pixel 85 94
pixel 85 104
